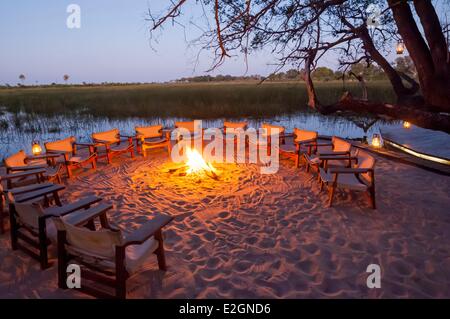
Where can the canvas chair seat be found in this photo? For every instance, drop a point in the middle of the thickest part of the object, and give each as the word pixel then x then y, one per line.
pixel 52 171
pixel 359 177
pixel 29 213
pixel 135 256
pixel 315 160
pixel 98 248
pixel 155 140
pixel 120 147
pixel 349 181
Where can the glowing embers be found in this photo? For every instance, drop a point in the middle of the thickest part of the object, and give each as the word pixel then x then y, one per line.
pixel 196 164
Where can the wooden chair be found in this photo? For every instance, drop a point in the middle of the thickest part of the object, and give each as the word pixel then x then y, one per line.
pixel 15 191
pixel 20 162
pixel 32 230
pixel 150 137
pixel 114 144
pixel 359 177
pixel 337 153
pixel 68 148
pixel 107 256
pixel 304 142
pixel 194 132
pixel 234 125
pixel 281 131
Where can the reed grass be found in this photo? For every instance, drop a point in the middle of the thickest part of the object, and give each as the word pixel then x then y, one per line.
pixel 203 100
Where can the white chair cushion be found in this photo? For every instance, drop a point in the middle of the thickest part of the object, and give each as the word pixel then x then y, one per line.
pixel 137 254
pixel 155 140
pixel 344 180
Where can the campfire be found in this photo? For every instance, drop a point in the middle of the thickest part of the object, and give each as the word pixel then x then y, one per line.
pixel 196 165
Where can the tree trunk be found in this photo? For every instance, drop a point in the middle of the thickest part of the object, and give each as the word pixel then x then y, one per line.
pixel 403 93
pixel 434 78
pixel 425 119
pixel 313 102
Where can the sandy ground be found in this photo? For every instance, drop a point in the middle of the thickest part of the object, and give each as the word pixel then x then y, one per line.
pixel 265 236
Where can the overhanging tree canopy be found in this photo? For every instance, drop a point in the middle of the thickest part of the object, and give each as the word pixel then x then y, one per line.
pixel 301 32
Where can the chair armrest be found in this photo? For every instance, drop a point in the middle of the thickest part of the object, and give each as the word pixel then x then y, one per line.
pixel 336 157
pixel 22 174
pixel 127 136
pixel 104 143
pixel 308 143
pixel 25 189
pixel 325 144
pixel 85 144
pixel 26 168
pixel 88 214
pixel 56 153
pixel 38 193
pixel 147 230
pixel 333 153
pixel 41 156
pixel 349 170
pixel 72 207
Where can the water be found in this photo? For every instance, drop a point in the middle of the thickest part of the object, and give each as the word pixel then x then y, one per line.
pixel 18 131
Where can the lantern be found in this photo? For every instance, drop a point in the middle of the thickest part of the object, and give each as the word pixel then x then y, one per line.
pixel 400 47
pixel 376 140
pixel 406 124
pixel 36 149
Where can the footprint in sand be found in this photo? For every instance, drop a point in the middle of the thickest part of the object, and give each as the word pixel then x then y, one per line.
pixel 224 215
pixel 401 268
pixel 311 248
pixel 306 266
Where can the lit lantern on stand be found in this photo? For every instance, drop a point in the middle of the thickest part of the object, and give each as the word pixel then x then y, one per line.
pixel 406 124
pixel 400 47
pixel 376 141
pixel 36 148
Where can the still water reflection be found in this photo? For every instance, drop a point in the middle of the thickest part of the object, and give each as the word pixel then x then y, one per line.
pixel 17 131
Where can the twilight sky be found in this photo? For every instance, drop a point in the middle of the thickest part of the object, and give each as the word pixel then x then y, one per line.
pixel 111 45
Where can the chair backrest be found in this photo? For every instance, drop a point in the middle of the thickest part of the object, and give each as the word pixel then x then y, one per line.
pixel 28 213
pixel 17 159
pixel 108 136
pixel 65 145
pixel 235 125
pixel 190 126
pixel 304 135
pixel 95 243
pixel 365 161
pixel 149 131
pixel 269 128
pixel 340 145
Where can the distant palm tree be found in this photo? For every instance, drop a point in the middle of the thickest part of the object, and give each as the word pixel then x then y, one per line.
pixel 66 78
pixel 22 78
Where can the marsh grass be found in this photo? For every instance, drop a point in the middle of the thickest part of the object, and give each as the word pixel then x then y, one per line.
pixel 207 101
